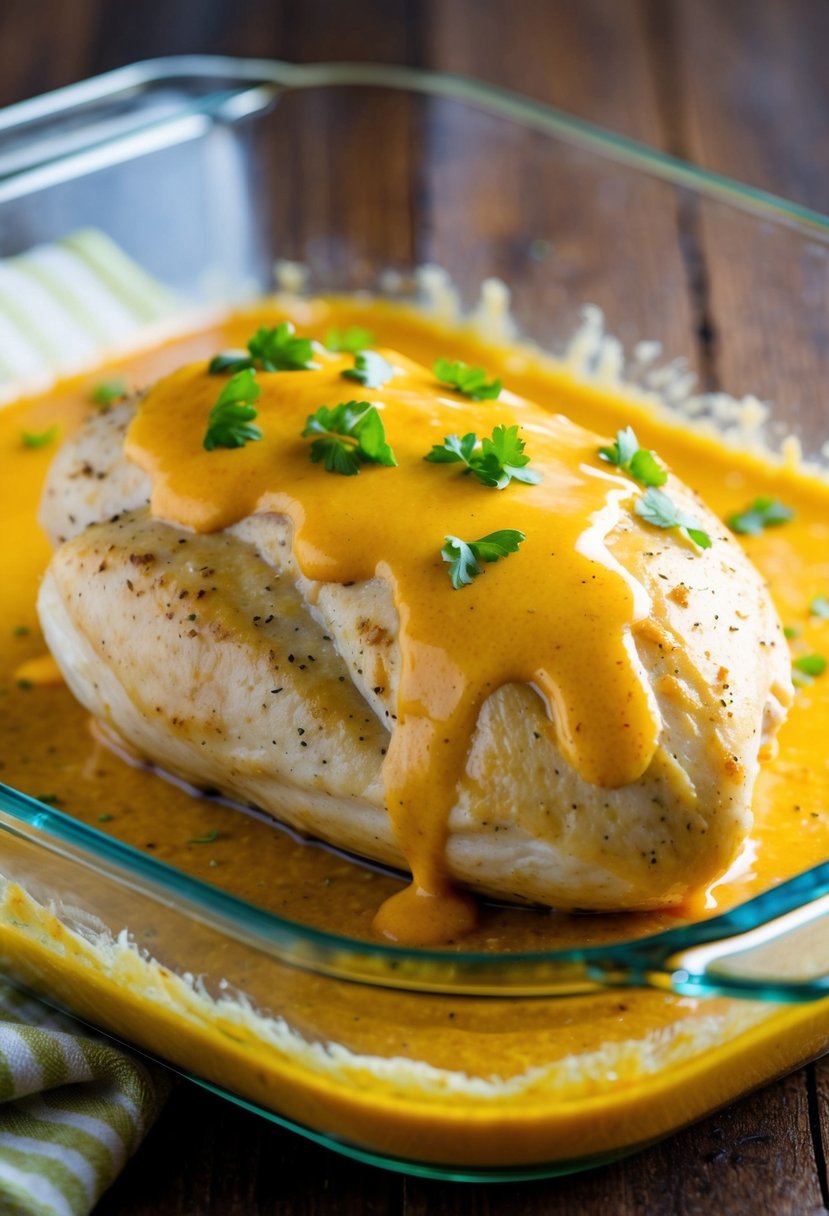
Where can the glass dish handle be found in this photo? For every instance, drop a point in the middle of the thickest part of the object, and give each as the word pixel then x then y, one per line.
pixel 784 958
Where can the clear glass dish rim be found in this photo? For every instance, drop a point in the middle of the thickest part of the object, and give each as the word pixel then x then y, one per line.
pixel 57 830
pixel 261 78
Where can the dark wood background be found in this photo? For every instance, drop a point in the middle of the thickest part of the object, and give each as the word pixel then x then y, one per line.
pixel 738 86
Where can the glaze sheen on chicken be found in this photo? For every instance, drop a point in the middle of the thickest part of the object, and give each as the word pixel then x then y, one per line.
pixel 206 639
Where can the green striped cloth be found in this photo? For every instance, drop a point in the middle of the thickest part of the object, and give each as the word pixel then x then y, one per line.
pixel 73 1106
pixel 65 304
pixel 73 1109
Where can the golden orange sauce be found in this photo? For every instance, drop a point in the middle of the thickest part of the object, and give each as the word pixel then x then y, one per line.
pixel 47 750
pixel 457 647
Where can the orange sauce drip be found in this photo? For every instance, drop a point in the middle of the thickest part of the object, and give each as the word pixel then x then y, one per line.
pixel 557 614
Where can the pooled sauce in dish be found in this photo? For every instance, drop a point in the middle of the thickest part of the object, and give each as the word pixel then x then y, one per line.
pixel 47 750
pixel 601 1077
pixel 522 620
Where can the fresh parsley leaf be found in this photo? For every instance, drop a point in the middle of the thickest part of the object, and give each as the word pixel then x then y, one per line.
pixel 208 837
pixel 229 361
pixel 820 607
pixel 657 508
pixel 230 422
pixel 40 440
pixel 790 631
pixel 470 381
pixel 623 450
pixel 350 434
pixel 107 391
pixel 370 369
pixel 21 631
pixel 349 341
pixel 763 513
pixel 270 350
pixel 641 463
pixel 810 665
pixel 278 350
pixel 453 450
pixel 464 556
pixel 497 461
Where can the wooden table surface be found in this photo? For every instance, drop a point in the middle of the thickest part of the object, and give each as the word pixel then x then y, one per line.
pixel 740 87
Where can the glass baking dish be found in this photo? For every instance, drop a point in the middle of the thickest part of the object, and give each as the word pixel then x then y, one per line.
pixel 419 187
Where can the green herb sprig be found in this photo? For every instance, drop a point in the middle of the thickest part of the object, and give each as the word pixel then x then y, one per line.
pixel 269 350
pixel 761 514
pixel 657 508
pixel 495 461
pixel 207 838
pixel 347 436
pixel 230 422
pixel 641 463
pixel 806 668
pixel 464 557
pixel 349 341
pixel 469 381
pixel 107 391
pixel 40 439
pixel 370 369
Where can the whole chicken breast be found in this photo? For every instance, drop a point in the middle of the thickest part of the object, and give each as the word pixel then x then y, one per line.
pixel 213 656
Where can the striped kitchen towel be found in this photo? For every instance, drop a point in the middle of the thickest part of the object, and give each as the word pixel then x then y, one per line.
pixel 73 1108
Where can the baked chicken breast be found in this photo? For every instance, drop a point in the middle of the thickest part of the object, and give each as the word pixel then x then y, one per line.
pixel 211 654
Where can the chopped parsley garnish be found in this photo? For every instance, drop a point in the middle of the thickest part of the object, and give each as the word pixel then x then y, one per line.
pixel 105 817
pixel 269 350
pixel 229 361
pixel 763 513
pixel 370 369
pixel 107 391
pixel 350 434
pixel 657 508
pixel 230 422
pixel 470 381
pixel 349 341
pixel 640 463
pixel 810 665
pixel 464 556
pixel 790 632
pixel 21 631
pixel 820 607
pixel 41 439
pixel 495 462
pixel 208 837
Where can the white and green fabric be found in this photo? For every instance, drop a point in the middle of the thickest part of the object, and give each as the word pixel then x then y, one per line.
pixel 73 1106
pixel 63 305
pixel 73 1109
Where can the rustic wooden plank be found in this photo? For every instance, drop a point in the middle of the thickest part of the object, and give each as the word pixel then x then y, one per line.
pixel 209 1158
pixel 612 236
pixel 757 89
pixel 818 1081
pixel 588 57
pixel 343 224
pixel 749 95
pixel 754 1157
pixel 40 52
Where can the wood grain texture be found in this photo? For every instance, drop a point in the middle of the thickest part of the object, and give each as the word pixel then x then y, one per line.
pixel 739 88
